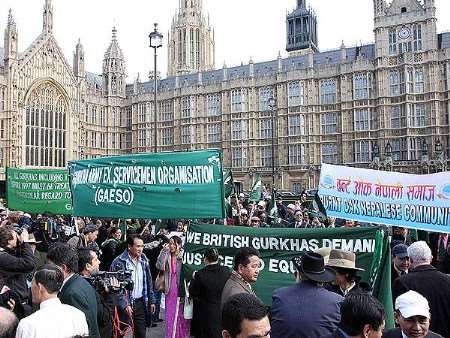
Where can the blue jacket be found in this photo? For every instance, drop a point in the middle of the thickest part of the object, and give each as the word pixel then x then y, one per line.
pixel 304 310
pixel 123 262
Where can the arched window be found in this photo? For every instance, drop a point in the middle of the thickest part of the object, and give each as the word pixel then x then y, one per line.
pixel 45 127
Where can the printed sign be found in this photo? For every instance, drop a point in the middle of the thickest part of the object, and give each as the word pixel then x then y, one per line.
pixel 278 247
pixel 163 185
pixel 39 191
pixel 413 201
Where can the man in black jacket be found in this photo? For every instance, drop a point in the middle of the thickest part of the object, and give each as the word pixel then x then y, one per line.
pixel 16 261
pixel 75 290
pixel 430 283
pixel 206 288
pixel 88 266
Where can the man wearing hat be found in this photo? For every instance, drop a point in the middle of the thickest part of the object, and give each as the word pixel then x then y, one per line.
pixel 412 314
pixel 289 218
pixel 343 263
pixel 400 261
pixel 306 309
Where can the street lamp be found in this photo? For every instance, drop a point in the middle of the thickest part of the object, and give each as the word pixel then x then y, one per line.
pixel 272 104
pixel 155 42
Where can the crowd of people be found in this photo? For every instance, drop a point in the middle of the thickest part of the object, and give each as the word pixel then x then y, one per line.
pixel 73 277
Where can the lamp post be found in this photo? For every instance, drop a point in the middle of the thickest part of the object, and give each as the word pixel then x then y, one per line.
pixel 155 42
pixel 272 106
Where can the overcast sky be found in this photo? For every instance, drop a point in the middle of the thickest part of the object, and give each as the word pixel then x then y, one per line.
pixel 243 28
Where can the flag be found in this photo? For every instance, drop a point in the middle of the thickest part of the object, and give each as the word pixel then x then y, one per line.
pixel 228 183
pixel 255 194
pixel 273 209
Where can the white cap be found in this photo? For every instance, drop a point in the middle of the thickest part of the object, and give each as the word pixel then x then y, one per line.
pixel 412 304
pixel 291 206
pixel 262 203
pixel 27 215
pixel 244 212
pixel 241 194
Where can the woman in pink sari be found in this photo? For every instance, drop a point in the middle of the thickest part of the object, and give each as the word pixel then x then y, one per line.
pixel 170 262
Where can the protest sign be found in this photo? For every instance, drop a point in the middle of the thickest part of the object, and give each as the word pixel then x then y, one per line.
pixel 278 246
pixel 39 190
pixel 414 201
pixel 162 185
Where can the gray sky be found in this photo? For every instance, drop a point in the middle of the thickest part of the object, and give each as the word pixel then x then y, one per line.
pixel 243 28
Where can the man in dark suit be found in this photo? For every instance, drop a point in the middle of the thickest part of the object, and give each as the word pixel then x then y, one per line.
pixel 400 261
pixel 440 248
pixel 75 290
pixel 412 314
pixel 206 288
pixel 430 283
pixel 306 309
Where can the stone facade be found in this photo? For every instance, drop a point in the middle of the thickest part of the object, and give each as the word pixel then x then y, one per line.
pixel 338 106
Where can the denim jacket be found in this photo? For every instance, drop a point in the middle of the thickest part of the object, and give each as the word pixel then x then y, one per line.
pixel 123 262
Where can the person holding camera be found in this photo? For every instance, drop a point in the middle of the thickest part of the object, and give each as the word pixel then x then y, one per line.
pixel 88 266
pixel 16 261
pixel 138 304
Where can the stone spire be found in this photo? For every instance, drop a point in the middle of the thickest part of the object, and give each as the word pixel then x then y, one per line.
pixel 48 17
pixel 10 40
pixel 191 46
pixel 78 60
pixel 114 68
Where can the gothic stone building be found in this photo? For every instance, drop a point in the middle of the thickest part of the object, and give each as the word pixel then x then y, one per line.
pixel 357 106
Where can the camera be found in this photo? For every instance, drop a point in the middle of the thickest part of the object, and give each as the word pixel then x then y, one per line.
pixel 102 281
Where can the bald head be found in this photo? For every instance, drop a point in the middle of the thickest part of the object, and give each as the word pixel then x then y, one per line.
pixel 8 323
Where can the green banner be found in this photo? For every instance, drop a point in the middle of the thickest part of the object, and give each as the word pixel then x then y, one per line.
pixel 39 190
pixel 279 246
pixel 162 185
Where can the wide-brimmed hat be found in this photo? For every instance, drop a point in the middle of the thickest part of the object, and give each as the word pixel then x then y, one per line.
pixel 311 264
pixel 342 259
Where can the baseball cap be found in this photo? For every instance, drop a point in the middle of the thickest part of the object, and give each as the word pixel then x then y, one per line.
pixel 291 206
pixel 244 212
pixel 400 251
pixel 90 228
pixel 412 304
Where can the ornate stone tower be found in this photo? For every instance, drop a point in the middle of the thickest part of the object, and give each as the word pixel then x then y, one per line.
pixel 48 17
pixel 78 61
pixel 11 41
pixel 114 69
pixel 301 27
pixel 191 46
pixel 415 31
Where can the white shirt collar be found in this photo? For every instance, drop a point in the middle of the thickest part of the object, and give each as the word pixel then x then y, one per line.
pixel 66 279
pixel 50 302
pixel 404 335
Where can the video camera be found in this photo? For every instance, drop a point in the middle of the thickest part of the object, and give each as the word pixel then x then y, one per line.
pixel 102 281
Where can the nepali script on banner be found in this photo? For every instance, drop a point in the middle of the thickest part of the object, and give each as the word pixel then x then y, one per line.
pixel 162 185
pixel 413 201
pixel 39 191
pixel 278 246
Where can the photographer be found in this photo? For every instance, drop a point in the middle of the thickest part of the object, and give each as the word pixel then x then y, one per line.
pixel 88 265
pixel 16 261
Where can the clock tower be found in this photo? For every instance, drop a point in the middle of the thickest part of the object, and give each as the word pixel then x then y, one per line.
pixel 404 26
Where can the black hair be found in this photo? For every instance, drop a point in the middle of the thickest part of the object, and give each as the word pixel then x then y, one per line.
pixel 359 309
pixel 239 307
pixel 6 234
pixel 177 240
pixel 243 255
pixel 212 255
pixel 112 231
pixel 50 276
pixel 130 239
pixel 84 257
pixel 63 254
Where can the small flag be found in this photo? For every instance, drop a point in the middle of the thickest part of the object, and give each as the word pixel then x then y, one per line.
pixel 255 194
